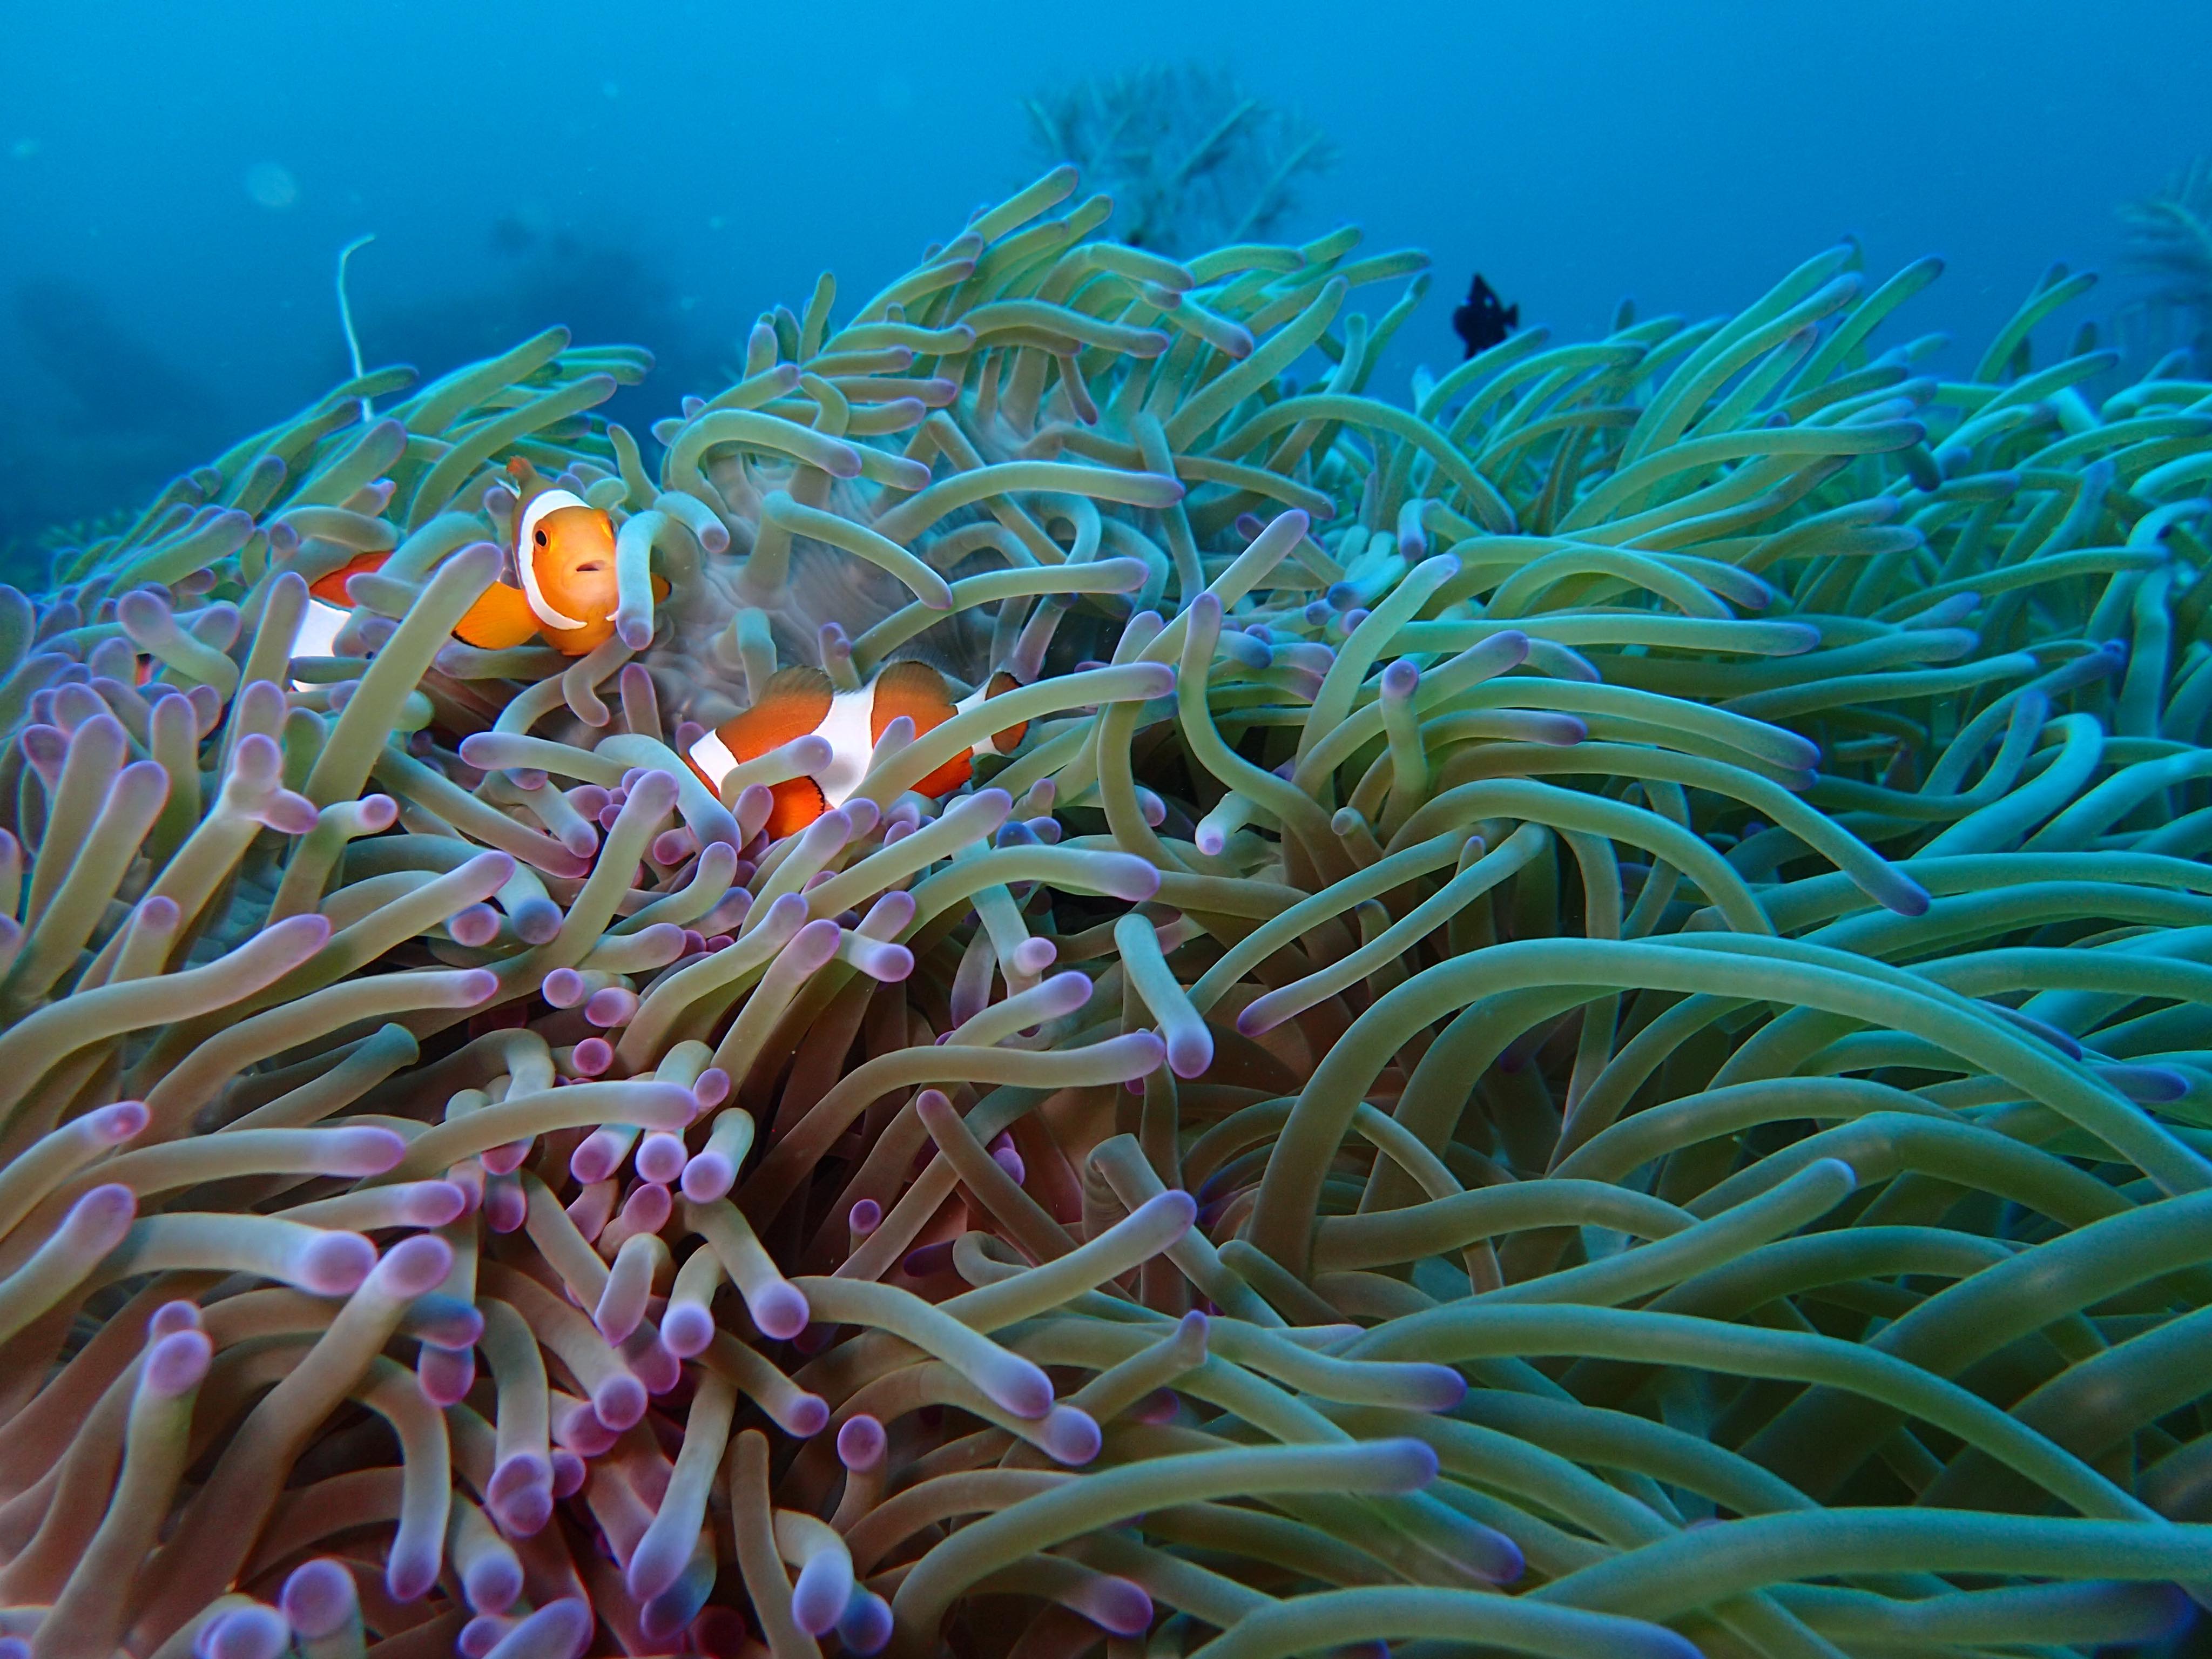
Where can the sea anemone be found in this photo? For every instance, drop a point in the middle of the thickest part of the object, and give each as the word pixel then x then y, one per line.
pixel 1576 1029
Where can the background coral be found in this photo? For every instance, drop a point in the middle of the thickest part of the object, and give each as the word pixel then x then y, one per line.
pixel 2170 239
pixel 1192 160
pixel 1580 1018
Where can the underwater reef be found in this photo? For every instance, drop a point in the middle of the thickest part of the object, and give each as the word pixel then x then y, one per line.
pixel 1581 1024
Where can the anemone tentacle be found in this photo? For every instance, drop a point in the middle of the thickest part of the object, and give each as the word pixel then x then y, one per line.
pixel 1577 1014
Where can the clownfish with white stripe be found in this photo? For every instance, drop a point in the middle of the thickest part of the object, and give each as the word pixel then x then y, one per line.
pixel 799 702
pixel 564 553
pixel 329 606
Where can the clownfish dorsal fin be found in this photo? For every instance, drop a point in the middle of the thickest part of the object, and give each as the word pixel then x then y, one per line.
pixel 794 701
pixel 923 695
pixel 913 690
pixel 527 480
pixel 799 681
pixel 331 588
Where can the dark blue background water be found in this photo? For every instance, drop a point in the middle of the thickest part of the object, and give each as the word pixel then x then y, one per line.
pixel 661 172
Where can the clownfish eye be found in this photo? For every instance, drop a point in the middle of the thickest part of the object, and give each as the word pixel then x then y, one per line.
pixel 540 538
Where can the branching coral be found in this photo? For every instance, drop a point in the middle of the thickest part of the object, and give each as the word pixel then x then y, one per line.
pixel 2170 239
pixel 1191 159
pixel 1578 1028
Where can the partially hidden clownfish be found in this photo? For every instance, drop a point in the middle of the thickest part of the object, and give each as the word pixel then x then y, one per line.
pixel 799 702
pixel 329 606
pixel 564 552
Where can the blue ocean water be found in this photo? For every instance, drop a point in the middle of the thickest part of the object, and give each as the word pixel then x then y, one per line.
pixel 175 181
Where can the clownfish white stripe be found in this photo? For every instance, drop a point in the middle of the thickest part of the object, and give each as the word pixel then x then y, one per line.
pixel 317 635
pixel 526 563
pixel 847 730
pixel 713 756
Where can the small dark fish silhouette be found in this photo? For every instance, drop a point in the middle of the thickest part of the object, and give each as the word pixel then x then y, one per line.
pixel 1485 319
pixel 512 236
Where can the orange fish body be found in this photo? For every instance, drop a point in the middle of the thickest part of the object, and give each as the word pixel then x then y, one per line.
pixel 564 552
pixel 799 702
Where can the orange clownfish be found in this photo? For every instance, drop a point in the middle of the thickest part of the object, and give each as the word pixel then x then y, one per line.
pixel 329 606
pixel 564 551
pixel 799 702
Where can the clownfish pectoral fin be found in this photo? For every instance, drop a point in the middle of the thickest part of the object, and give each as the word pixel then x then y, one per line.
pixel 1005 742
pixel 502 619
pixel 661 590
pixel 798 802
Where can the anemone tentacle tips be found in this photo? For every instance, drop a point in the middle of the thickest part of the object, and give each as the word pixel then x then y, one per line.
pixel 1108 1000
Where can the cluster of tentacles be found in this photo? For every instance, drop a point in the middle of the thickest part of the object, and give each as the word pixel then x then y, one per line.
pixel 1582 1025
